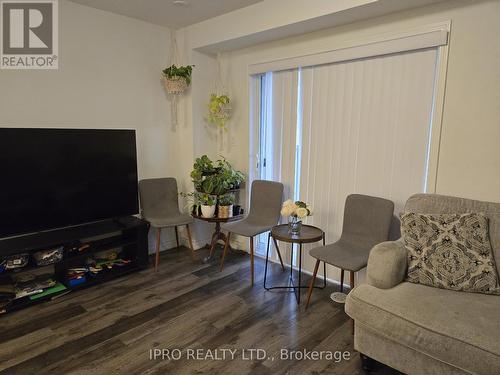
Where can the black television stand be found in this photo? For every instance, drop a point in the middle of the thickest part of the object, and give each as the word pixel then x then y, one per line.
pixel 120 222
pixel 130 234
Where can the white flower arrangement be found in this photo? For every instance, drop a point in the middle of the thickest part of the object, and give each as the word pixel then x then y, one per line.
pixel 296 209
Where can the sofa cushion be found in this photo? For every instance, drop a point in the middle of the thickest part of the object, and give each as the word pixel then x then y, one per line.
pixel 443 204
pixel 461 329
pixel 450 251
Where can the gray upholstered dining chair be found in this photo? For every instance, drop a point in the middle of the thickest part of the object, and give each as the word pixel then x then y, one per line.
pixel 265 207
pixel 367 221
pixel 160 206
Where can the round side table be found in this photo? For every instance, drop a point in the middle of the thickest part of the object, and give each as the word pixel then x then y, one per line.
pixel 308 234
pixel 218 235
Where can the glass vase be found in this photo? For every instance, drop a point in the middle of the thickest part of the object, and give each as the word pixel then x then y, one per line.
pixel 294 225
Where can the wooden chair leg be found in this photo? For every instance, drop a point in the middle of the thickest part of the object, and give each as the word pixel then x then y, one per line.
pixel 176 236
pixel 212 246
pixel 193 255
pixel 311 285
pixel 352 286
pixel 279 253
pixel 158 242
pixel 226 247
pixel 341 280
pixel 251 260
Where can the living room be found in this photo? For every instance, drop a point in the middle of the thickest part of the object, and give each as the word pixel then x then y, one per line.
pixel 250 186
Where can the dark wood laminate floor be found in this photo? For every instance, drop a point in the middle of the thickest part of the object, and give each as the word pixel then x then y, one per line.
pixel 110 329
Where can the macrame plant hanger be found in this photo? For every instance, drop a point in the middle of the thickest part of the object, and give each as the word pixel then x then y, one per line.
pixel 220 89
pixel 174 89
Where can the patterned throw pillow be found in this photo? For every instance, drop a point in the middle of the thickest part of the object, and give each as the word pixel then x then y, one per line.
pixel 450 251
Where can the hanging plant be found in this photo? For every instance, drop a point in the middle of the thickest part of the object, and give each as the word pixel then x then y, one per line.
pixel 219 110
pixel 177 78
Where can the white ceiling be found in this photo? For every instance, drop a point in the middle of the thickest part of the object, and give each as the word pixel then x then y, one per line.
pixel 166 13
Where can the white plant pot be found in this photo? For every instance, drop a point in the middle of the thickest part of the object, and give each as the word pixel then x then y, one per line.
pixel 207 211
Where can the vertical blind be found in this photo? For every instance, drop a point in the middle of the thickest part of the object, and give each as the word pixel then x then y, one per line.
pixel 365 129
pixel 363 126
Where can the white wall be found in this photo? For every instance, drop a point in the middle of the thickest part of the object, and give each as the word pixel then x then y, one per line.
pixel 108 77
pixel 469 160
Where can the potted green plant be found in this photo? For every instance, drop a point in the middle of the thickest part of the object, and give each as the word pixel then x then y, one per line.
pixel 226 202
pixel 217 177
pixel 219 110
pixel 207 204
pixel 202 168
pixel 237 178
pixel 177 78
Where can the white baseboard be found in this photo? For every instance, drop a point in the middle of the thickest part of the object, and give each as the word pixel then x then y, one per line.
pixel 169 242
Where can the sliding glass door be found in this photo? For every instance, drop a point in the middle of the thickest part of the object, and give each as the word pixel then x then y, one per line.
pixel 277 153
pixel 358 126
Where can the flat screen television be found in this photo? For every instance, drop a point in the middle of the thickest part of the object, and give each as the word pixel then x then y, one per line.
pixel 53 178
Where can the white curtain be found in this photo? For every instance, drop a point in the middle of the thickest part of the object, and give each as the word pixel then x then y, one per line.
pixel 365 129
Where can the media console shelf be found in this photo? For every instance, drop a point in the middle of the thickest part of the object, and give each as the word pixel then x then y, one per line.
pixel 129 234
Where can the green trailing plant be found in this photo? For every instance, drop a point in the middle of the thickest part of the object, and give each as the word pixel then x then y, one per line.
pixel 196 199
pixel 219 110
pixel 217 177
pixel 204 165
pixel 226 199
pixel 179 71
pixel 231 177
pixel 207 199
pixel 238 179
pixel 202 168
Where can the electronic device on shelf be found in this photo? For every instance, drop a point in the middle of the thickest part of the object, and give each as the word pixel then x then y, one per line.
pixel 53 178
pixel 67 194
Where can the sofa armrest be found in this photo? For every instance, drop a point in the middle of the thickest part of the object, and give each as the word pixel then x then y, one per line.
pixel 387 264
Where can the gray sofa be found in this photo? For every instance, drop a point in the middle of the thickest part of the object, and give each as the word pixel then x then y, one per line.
pixel 418 329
